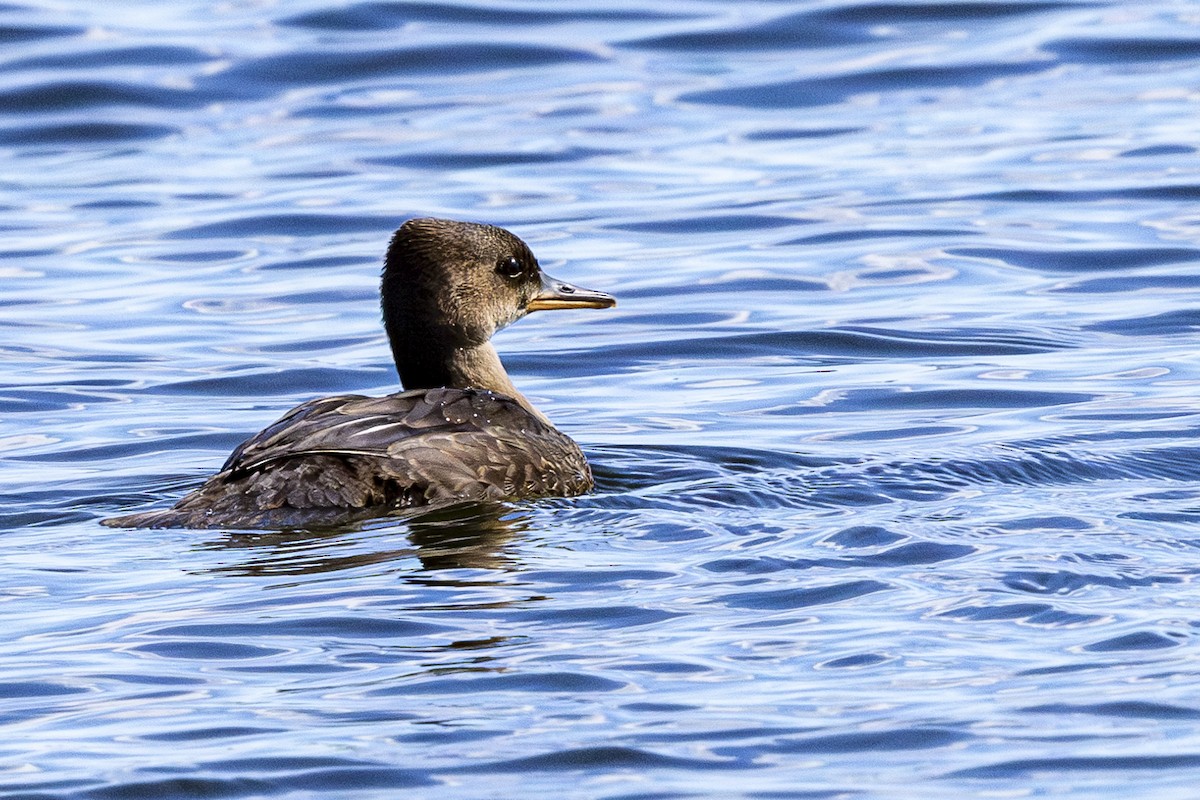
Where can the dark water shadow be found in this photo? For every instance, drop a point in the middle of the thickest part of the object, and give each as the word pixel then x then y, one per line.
pixel 466 536
pixel 822 91
pixel 380 15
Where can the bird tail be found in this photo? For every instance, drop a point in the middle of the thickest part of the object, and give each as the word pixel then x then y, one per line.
pixel 163 518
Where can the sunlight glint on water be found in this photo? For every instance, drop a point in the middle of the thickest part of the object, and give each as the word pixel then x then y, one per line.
pixel 894 426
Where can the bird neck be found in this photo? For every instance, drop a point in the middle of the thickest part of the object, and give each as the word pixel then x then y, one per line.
pixel 430 365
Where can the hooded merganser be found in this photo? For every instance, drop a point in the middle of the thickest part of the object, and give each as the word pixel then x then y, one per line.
pixel 460 431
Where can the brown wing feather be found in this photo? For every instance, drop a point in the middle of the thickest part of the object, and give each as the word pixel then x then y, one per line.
pixel 337 457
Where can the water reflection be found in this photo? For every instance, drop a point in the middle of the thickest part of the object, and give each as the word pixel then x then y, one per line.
pixel 468 536
pixel 474 536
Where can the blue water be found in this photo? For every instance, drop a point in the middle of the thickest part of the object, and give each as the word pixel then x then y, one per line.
pixel 895 426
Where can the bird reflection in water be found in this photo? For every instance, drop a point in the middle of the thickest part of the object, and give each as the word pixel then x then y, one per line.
pixel 465 536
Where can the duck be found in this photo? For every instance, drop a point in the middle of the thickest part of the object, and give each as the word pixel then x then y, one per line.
pixel 458 432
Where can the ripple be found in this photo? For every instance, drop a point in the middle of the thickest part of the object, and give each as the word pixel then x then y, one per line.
pixel 788 134
pixel 262 76
pixel 786 599
pixel 378 16
pixel 56 398
pixel 31 689
pixel 1062 523
pixel 909 554
pixel 1091 765
pixel 1159 150
pixel 309 381
pixel 1167 191
pixel 861 234
pixel 1111 50
pixel 833 27
pixel 812 92
pixel 715 223
pixel 873 742
pixel 864 536
pixel 216 442
pixel 1142 640
pixel 285 225
pixel 578 580
pixel 1168 323
pixel 207 651
pixel 1123 709
pixel 84 94
pixel 128 56
pixel 804 30
pixel 1125 285
pixel 1054 197
pixel 626 616
pixel 356 627
pixel 608 757
pixel 624 470
pixel 1041 614
pixel 730 286
pixel 204 734
pixel 900 13
pixel 1082 260
pixel 1066 582
pixel 860 661
pixel 548 682
pixel 355 779
pixel 877 400
pixel 361 778
pixel 1029 467
pixel 461 160
pixel 319 263
pixel 13 34
pixel 688 479
pixel 84 133
pixel 846 343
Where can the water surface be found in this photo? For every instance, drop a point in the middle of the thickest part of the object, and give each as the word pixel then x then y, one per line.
pixel 895 426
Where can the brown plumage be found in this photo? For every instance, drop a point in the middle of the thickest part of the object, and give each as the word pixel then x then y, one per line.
pixel 461 432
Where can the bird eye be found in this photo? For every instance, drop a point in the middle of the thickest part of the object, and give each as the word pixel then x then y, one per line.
pixel 509 267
